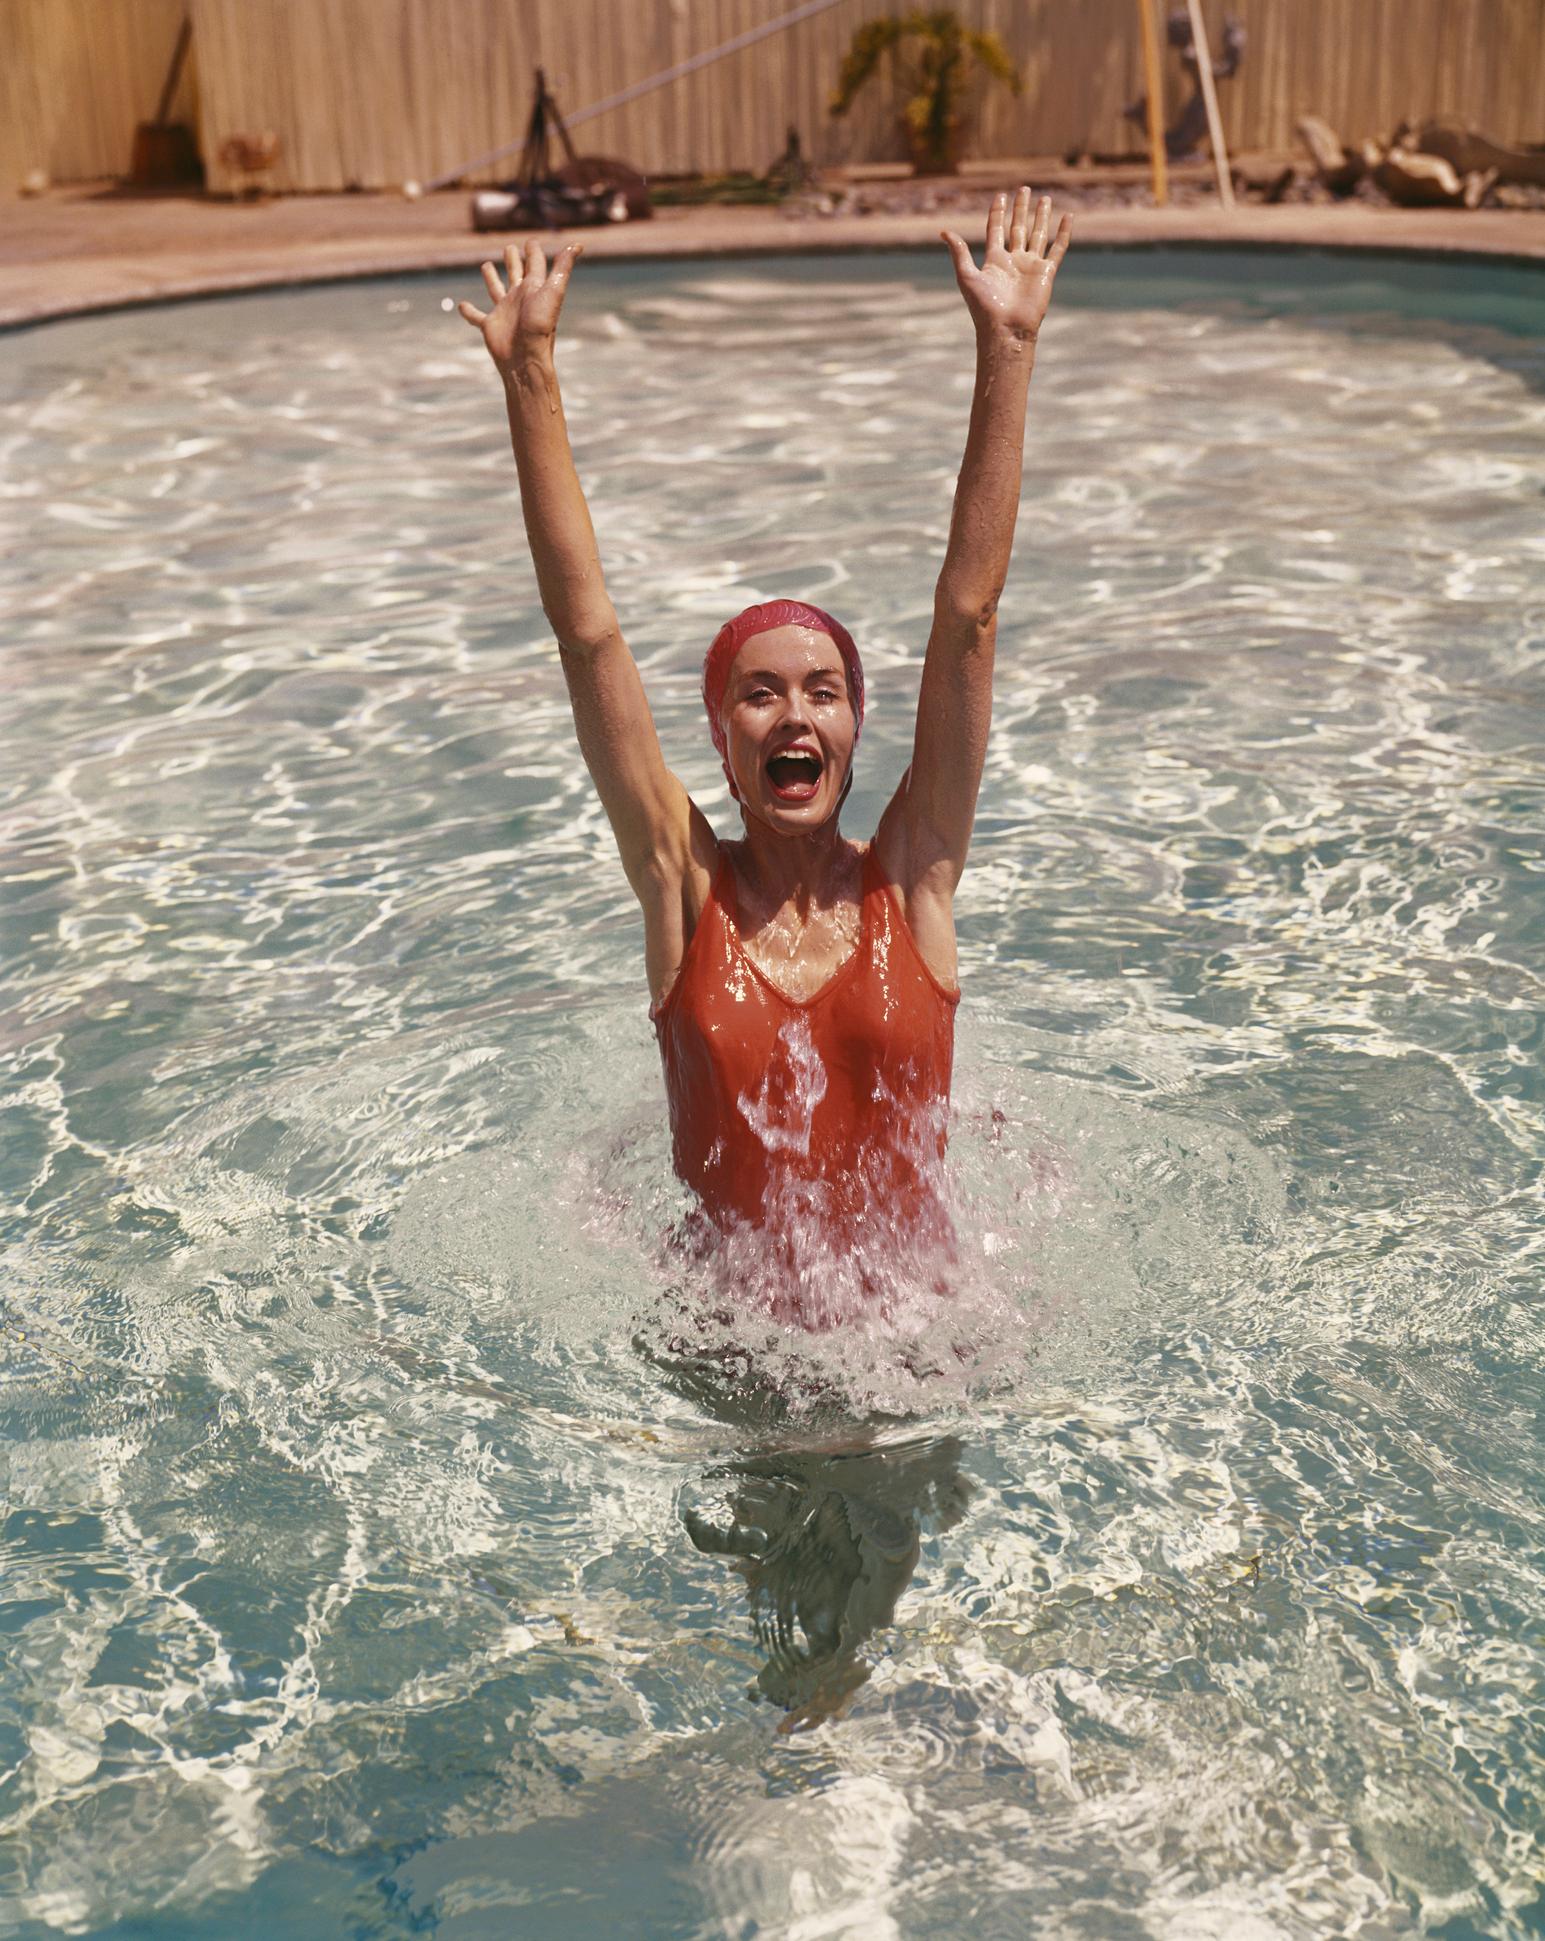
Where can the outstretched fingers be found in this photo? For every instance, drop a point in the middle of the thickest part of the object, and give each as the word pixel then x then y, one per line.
pixel 477 318
pixel 1060 242
pixel 494 284
pixel 996 216
pixel 1019 223
pixel 960 251
pixel 1042 227
pixel 563 265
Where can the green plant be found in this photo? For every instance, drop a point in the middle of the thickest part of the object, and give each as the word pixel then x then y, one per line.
pixel 935 59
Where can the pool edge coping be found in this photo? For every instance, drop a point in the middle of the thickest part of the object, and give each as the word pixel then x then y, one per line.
pixel 911 236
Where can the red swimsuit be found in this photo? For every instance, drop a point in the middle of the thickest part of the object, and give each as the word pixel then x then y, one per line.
pixel 833 1107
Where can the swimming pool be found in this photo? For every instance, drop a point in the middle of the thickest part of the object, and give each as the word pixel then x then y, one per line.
pixel 375 1563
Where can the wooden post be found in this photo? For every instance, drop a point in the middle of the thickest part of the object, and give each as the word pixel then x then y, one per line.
pixel 174 72
pixel 1155 79
pixel 1210 100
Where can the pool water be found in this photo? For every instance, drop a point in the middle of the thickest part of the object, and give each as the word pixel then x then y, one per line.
pixel 391 1546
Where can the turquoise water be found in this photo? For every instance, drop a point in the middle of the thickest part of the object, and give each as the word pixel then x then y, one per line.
pixel 384 1552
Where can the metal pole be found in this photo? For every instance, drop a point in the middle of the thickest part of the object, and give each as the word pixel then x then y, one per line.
pixel 1210 98
pixel 620 99
pixel 1155 74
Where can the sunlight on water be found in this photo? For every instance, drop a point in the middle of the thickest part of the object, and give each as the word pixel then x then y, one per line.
pixel 405 1532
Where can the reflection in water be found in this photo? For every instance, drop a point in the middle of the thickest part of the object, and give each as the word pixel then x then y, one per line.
pixel 828 1540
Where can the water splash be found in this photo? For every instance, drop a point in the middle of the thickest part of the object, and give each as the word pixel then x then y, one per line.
pixel 349 1586
pixel 781 1112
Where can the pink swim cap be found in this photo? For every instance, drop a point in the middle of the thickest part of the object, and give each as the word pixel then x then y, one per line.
pixel 734 634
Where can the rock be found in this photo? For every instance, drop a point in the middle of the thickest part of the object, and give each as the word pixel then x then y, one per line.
pixel 1418 181
pixel 1269 184
pixel 1337 170
pixel 1468 152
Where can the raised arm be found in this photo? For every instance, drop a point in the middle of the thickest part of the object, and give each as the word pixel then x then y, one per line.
pixel 926 831
pixel 656 827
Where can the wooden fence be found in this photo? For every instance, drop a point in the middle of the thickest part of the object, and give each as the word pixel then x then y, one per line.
pixel 75 77
pixel 369 93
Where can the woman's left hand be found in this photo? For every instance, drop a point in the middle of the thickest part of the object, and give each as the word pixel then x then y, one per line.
pixel 1010 293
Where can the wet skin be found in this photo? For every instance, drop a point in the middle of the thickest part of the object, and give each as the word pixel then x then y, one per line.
pixel 787 696
pixel 787 711
pixel 791 865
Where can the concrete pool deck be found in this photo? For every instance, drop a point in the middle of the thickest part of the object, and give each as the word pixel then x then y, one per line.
pixel 97 248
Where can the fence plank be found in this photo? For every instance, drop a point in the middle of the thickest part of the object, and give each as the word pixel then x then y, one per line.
pixel 373 92
pixel 76 76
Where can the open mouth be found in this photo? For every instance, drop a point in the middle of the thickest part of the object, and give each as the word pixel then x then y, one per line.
pixel 794 776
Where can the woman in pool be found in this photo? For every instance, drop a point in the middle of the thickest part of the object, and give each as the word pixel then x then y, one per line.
pixel 803 985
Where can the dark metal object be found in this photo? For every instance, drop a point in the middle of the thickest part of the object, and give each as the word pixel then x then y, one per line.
pixel 791 171
pixel 1182 140
pixel 165 152
pixel 584 189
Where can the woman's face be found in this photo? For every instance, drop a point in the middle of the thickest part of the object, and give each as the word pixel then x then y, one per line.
pixel 789 725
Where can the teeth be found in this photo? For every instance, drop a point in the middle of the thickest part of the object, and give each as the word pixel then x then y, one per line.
pixel 808 766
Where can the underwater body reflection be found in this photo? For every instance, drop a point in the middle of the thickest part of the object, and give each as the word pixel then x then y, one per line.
pixel 395 1524
pixel 828 1540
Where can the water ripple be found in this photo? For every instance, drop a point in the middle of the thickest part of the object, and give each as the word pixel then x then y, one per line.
pixel 377 1555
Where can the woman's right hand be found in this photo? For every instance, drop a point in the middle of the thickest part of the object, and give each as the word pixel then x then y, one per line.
pixel 527 300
